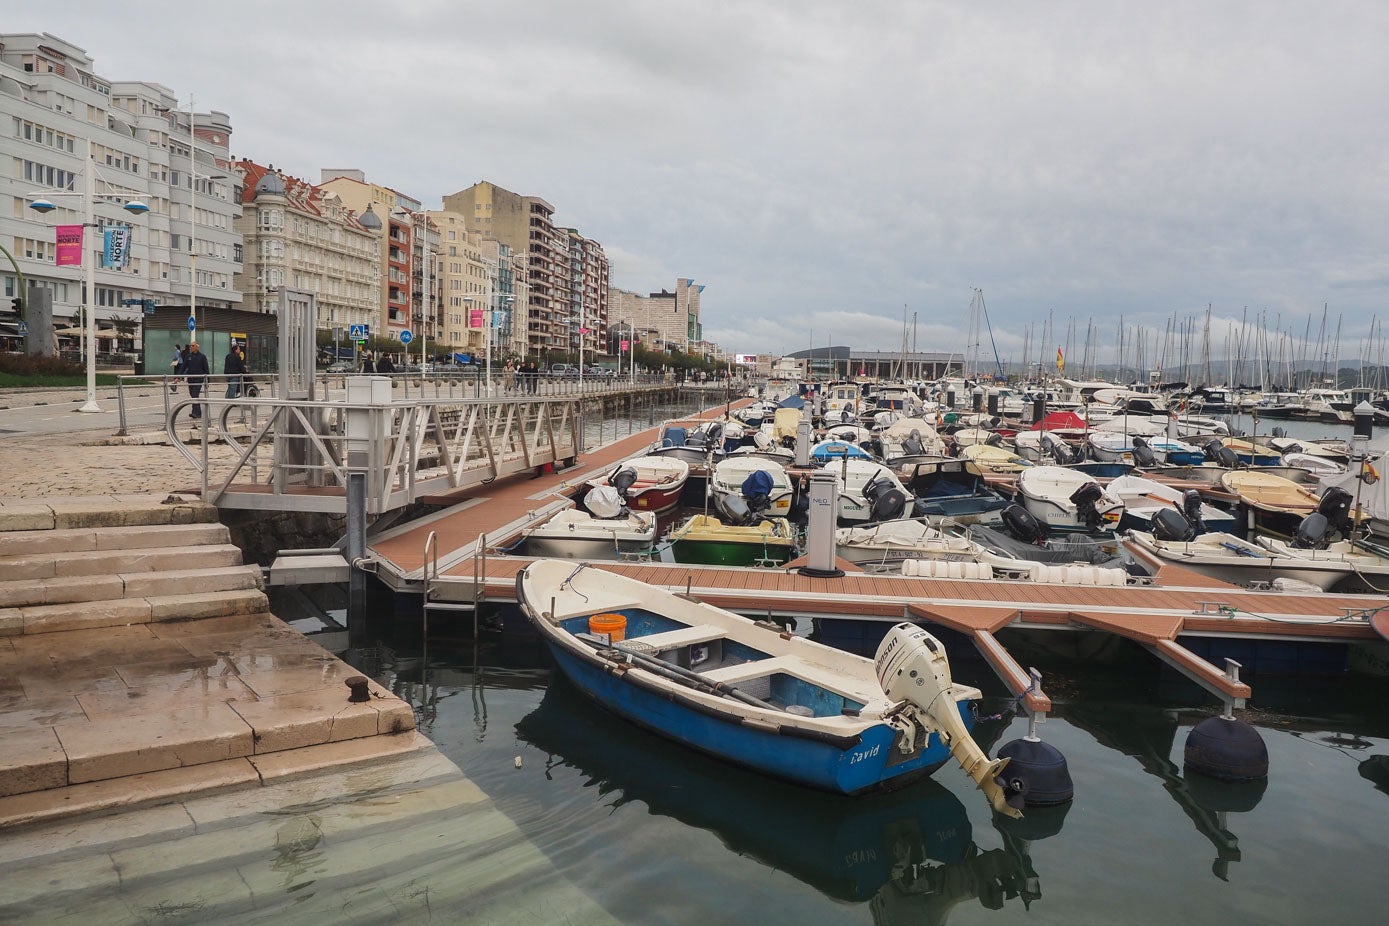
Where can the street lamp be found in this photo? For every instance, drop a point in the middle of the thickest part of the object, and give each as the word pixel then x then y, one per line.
pixel 88 194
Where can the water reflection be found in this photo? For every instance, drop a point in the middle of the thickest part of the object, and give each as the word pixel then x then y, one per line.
pixel 1148 737
pixel 909 854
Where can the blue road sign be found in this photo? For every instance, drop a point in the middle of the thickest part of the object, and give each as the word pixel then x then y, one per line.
pixel 358 332
pixel 406 337
pixel 192 323
pixel 22 328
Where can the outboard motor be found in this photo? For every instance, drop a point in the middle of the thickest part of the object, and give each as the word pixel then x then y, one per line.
pixel 734 508
pixel 1169 525
pixel 1061 452
pixel 913 445
pixel 1142 453
pixel 713 435
pixel 1022 525
pixel 1280 432
pixel 757 489
pixel 1221 455
pixel 994 440
pixel 1077 455
pixel 623 480
pixel 886 501
pixel 1335 506
pixel 1191 509
pixel 1313 532
pixel 873 447
pixel 913 670
pixel 1084 499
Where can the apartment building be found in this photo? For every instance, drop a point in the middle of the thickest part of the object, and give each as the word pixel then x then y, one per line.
pixel 665 320
pixel 581 280
pixel 59 119
pixel 561 277
pixel 304 237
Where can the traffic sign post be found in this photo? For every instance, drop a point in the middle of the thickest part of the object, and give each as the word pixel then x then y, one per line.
pixel 192 323
pixel 406 337
pixel 358 332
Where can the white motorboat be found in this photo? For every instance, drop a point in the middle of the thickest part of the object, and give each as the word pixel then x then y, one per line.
pixel 1144 498
pixel 869 491
pixel 649 483
pixel 576 534
pixel 1239 562
pixel 886 544
pixel 910 437
pixel 1368 562
pixel 770 497
pixel 1066 500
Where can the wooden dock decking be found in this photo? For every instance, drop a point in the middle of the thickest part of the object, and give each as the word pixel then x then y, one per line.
pixel 1179 602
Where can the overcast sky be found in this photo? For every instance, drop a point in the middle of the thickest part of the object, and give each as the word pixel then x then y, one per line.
pixel 824 167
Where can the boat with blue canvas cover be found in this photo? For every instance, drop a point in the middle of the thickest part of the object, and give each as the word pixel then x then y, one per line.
pixel 751 693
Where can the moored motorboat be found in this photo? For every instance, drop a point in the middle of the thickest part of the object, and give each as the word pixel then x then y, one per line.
pixel 886 544
pixel 769 493
pixel 950 489
pixel 1145 498
pixel 994 459
pixel 576 534
pixel 705 539
pixel 649 483
pixel 1066 500
pixel 1239 562
pixel 869 491
pixel 747 693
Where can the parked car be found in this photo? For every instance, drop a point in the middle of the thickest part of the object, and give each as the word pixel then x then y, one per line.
pixel 342 366
pixel 563 369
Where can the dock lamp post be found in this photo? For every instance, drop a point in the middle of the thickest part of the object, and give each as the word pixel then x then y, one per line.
pixel 88 194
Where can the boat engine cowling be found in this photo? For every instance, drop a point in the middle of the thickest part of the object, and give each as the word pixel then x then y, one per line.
pixel 1084 499
pixel 1218 453
pixel 1191 510
pixel 1022 525
pixel 1335 505
pixel 1312 532
pixel 913 445
pixel 994 440
pixel 1169 525
pixel 604 502
pixel 734 508
pixel 623 480
pixel 1142 453
pixel 886 501
pixel 913 670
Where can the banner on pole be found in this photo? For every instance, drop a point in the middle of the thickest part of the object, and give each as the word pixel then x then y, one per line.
pixel 115 254
pixel 475 318
pixel 625 345
pixel 69 246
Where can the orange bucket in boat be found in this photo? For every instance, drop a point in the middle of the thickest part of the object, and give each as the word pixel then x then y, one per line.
pixel 611 626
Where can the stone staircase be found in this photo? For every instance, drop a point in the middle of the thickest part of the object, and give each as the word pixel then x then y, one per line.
pixel 139 663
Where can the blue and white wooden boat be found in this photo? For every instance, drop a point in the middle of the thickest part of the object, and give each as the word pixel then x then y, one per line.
pixel 750 693
pixel 827 451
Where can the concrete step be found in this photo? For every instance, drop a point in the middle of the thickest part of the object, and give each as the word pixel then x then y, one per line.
pixel 86 539
pixel 22 593
pixel 104 511
pixel 121 612
pixel 117 562
pixel 190 731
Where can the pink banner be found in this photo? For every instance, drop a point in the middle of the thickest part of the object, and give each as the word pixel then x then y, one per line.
pixel 625 345
pixel 69 246
pixel 475 318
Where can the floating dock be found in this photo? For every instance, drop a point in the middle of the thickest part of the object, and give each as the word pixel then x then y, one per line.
pixel 464 569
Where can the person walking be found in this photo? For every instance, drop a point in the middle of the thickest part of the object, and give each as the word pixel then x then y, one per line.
pixel 234 367
pixel 367 365
pixel 509 377
pixel 195 373
pixel 177 365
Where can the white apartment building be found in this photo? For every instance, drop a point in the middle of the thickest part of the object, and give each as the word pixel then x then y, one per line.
pixel 58 118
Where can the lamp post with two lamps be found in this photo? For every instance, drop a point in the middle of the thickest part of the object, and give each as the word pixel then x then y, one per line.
pixel 88 194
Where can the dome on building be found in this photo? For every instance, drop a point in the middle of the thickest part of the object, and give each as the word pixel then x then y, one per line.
pixel 369 219
pixel 272 184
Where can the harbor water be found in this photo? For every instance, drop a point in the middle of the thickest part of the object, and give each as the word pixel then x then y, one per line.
pixel 655 833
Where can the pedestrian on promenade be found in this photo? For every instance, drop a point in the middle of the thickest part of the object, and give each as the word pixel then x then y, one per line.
pixel 367 365
pixel 234 366
pixel 384 365
pixel 509 377
pixel 177 365
pixel 195 373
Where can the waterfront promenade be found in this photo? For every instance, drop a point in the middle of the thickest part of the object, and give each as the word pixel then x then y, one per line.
pixel 163 765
